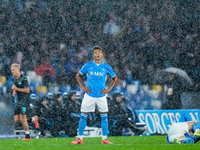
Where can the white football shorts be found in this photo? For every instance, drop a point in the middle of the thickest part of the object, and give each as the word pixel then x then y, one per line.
pixel 89 103
pixel 177 130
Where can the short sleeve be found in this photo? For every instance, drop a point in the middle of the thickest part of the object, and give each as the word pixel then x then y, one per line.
pixel 111 73
pixel 84 69
pixel 25 82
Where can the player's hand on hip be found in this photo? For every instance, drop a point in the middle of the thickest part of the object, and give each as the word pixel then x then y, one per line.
pixel 14 87
pixel 86 90
pixel 105 91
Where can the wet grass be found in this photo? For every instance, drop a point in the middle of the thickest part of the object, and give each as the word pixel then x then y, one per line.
pixel 119 143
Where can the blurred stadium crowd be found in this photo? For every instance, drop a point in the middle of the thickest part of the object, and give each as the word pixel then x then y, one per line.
pixel 51 40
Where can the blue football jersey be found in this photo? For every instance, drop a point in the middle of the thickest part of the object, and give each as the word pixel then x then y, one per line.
pixel 96 76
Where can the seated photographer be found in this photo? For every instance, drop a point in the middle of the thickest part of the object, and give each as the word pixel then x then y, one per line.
pixel 31 116
pixel 72 108
pixel 46 115
pixel 120 115
pixel 59 113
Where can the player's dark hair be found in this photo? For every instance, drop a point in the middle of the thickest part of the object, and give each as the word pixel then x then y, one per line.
pixel 96 47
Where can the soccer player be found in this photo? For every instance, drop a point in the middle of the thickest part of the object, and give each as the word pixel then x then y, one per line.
pixel 184 133
pixel 21 88
pixel 95 92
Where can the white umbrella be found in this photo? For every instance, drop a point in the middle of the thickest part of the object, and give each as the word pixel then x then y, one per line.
pixel 181 73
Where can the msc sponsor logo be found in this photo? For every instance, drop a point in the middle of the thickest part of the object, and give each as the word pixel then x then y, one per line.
pixel 97 73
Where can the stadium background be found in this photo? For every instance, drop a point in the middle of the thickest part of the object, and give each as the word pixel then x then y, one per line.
pixel 139 37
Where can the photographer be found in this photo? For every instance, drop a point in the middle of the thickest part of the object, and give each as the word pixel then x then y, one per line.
pixel 120 116
pixel 59 116
pixel 32 115
pixel 45 114
pixel 72 107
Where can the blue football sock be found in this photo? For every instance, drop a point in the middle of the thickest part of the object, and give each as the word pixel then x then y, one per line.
pixel 104 123
pixel 196 126
pixel 82 123
pixel 192 137
pixel 188 140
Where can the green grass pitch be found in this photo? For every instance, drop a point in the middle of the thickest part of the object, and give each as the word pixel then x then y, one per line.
pixel 119 143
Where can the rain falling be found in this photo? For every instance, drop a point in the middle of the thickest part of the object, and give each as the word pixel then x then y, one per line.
pixel 54 54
